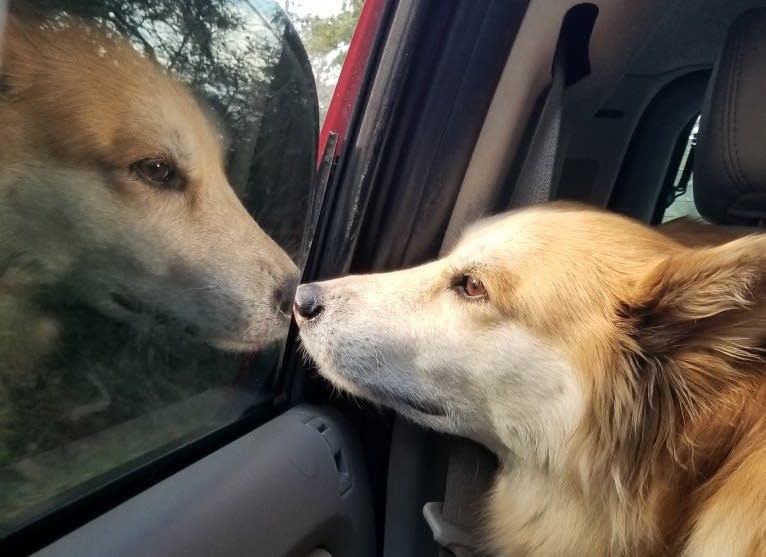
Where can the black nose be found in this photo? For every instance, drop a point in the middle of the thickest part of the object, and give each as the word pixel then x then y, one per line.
pixel 284 296
pixel 308 301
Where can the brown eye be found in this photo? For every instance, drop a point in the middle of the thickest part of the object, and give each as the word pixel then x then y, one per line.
pixel 473 287
pixel 159 173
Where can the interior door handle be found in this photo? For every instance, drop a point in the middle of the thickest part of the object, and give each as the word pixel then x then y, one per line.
pixel 333 442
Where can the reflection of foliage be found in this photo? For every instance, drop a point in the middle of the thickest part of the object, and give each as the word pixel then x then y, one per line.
pixel 323 35
pixel 327 40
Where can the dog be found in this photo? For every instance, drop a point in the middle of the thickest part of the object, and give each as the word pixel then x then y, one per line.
pixel 618 375
pixel 113 192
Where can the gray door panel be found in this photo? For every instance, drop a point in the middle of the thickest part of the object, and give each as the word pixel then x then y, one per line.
pixel 290 487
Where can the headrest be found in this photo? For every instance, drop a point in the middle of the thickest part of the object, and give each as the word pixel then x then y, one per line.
pixel 730 156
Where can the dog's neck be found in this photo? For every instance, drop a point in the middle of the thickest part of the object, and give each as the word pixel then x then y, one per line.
pixel 622 475
pixel 670 440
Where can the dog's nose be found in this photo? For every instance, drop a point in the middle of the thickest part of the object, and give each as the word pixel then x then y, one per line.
pixel 284 296
pixel 308 302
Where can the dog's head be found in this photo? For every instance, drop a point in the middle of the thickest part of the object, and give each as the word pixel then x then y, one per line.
pixel 537 322
pixel 113 185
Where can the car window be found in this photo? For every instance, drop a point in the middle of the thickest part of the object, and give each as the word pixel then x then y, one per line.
pixel 680 198
pixel 326 28
pixel 156 160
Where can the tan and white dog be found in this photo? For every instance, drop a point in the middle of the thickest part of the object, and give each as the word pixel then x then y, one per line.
pixel 113 194
pixel 619 376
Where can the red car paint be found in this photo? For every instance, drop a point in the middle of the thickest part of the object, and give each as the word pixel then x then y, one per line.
pixel 351 74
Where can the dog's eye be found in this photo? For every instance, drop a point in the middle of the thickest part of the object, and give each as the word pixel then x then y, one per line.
pixel 473 287
pixel 159 172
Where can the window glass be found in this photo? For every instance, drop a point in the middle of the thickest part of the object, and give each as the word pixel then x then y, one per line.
pixel 326 28
pixel 156 160
pixel 680 200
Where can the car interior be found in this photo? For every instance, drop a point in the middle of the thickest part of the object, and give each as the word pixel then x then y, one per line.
pixel 466 109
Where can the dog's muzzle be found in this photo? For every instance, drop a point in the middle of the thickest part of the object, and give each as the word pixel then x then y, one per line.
pixel 308 302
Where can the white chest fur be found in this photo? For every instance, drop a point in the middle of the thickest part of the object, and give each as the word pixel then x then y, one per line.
pixel 533 514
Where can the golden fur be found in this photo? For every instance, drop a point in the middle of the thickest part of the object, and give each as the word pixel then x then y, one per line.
pixel 619 375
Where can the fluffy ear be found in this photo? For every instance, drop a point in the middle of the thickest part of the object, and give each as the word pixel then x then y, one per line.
pixel 695 290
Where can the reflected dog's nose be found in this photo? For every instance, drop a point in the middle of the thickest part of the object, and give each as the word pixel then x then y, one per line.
pixel 284 296
pixel 308 302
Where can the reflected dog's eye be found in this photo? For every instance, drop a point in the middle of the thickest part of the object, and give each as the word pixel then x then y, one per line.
pixel 472 287
pixel 159 173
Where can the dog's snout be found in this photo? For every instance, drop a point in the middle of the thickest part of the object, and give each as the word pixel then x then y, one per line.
pixel 284 296
pixel 308 302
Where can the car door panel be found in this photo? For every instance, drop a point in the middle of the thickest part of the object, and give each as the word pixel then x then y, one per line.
pixel 292 487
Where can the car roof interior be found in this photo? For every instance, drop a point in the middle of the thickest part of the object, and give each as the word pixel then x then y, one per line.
pixel 650 63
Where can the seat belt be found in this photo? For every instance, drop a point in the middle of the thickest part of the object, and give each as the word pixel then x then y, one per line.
pixel 536 179
pixel 455 521
pixel 470 468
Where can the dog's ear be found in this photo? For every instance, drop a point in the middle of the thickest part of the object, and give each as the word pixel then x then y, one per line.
pixel 695 292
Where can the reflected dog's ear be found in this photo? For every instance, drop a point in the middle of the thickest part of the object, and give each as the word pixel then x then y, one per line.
pixel 17 54
pixel 711 297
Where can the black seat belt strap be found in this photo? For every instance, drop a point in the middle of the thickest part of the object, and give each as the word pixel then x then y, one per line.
pixel 454 522
pixel 536 179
